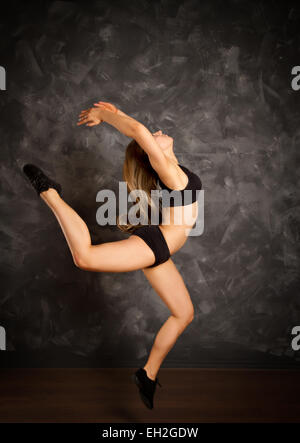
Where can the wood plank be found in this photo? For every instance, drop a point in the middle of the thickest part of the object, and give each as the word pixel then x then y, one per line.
pixel 187 395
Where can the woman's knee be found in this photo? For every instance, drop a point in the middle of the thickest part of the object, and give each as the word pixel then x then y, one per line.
pixel 187 315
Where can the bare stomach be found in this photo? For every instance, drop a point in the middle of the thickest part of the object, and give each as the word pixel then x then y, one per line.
pixel 176 224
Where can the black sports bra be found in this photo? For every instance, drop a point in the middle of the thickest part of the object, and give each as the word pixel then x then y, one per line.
pixel 178 197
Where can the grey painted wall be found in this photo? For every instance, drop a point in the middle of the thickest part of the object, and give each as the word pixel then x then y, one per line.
pixel 216 75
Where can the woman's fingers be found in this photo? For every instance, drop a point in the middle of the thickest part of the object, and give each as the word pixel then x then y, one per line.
pixel 82 117
pixel 89 117
pixel 98 105
pixel 84 120
pixel 106 105
pixel 85 111
pixel 93 124
pixel 81 122
pixel 89 121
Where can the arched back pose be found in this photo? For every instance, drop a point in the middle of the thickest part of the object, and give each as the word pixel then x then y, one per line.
pixel 149 158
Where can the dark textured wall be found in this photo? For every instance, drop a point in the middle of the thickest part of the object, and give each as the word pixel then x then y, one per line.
pixel 216 76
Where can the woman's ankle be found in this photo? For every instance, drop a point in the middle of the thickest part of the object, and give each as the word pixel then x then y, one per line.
pixel 49 194
pixel 150 374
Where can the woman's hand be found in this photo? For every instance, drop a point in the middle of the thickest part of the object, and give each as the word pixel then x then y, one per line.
pixel 91 116
pixel 108 113
pixel 108 106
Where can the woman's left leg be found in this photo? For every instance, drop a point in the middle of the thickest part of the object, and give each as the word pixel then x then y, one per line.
pixel 170 287
pixel 118 256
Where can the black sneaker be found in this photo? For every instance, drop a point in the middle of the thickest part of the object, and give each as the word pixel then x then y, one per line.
pixel 146 386
pixel 39 180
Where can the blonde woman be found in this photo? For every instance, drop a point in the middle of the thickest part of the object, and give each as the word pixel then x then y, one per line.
pixel 149 161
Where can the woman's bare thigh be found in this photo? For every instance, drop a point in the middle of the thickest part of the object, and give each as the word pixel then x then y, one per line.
pixel 126 255
pixel 168 283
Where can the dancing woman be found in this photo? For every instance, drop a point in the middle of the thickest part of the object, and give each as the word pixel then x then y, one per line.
pixel 149 161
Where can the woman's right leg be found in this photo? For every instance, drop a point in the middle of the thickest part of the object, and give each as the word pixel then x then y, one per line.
pixel 169 285
pixel 118 256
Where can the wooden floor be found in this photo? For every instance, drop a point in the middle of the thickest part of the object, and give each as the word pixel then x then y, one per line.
pixel 187 395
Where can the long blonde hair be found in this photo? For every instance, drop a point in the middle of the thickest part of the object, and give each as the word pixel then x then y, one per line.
pixel 138 174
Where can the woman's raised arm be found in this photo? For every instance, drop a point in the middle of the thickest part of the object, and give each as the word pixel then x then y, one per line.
pixel 131 128
pixel 111 115
pixel 145 139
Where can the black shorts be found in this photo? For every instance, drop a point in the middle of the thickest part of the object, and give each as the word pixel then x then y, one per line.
pixel 152 235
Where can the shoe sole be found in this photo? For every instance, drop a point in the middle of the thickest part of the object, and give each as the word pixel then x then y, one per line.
pixel 145 400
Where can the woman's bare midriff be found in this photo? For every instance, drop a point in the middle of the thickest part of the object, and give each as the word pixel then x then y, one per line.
pixel 176 233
